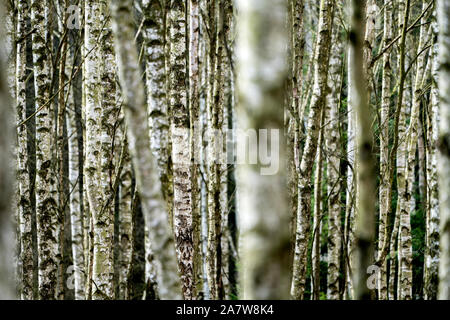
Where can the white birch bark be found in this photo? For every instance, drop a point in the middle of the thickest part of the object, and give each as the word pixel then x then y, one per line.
pixel 100 100
pixel 76 217
pixel 431 259
pixel 48 222
pixel 126 220
pixel 385 201
pixel 332 143
pixel 181 155
pixel 25 210
pixel 405 240
pixel 147 180
pixel 318 102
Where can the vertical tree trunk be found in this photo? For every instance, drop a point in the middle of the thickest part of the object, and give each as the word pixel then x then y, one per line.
pixel 147 180
pixel 332 141
pixel 153 33
pixel 48 220
pixel 351 185
pixel 25 209
pixel 318 102
pixel 100 112
pixel 76 218
pixel 364 220
pixel 195 142
pixel 215 148
pixel 295 112
pixel 182 214
pixel 385 201
pixel 264 213
pixel 405 241
pixel 126 225
pixel 317 215
pixel 443 10
pixel 7 285
pixel 154 38
pixel 431 259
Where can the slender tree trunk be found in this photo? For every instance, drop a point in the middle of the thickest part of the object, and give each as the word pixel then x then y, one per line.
pixel 7 285
pixel 396 154
pixel 154 38
pixel 431 259
pixel 351 185
pixel 443 10
pixel 364 220
pixel 295 114
pixel 181 156
pixel 318 103
pixel 385 202
pixel 100 112
pixel 195 142
pixel 215 150
pixel 317 215
pixel 48 220
pixel 126 217
pixel 23 175
pixel 153 33
pixel 332 141
pixel 147 180
pixel 405 241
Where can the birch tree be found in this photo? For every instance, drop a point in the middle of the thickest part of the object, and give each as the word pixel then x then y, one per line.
pixel 7 290
pixel 364 220
pixel 385 200
pixel 443 10
pixel 25 209
pixel 431 260
pixel 146 176
pixel 48 220
pixel 181 157
pixel 264 220
pixel 317 104
pixel 405 244
pixel 332 141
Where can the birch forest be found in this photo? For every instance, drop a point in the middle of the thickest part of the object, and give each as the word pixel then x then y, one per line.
pixel 225 149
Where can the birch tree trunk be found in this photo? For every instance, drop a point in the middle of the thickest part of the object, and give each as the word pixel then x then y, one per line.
pixel 215 152
pixel 100 105
pixel 431 259
pixel 385 201
pixel 351 185
pixel 154 39
pixel 147 180
pixel 364 220
pixel 443 10
pixel 181 156
pixel 76 218
pixel 48 220
pixel 295 112
pixel 405 241
pixel 318 102
pixel 317 215
pixel 332 142
pixel 263 210
pixel 25 209
pixel 126 220
pixel 195 139
pixel 153 33
pixel 7 285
